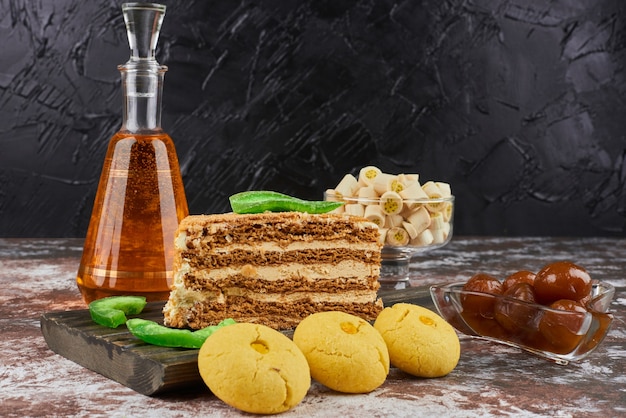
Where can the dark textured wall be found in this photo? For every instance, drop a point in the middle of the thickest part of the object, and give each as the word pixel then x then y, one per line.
pixel 519 104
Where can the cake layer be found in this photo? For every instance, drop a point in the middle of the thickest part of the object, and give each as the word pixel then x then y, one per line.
pixel 210 231
pixel 273 268
pixel 278 315
pixel 283 277
pixel 192 282
pixel 259 257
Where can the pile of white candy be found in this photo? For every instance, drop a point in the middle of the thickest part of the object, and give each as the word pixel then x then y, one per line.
pixel 406 212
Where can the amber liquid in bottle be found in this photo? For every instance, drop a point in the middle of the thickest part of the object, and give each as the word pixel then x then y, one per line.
pixel 129 247
pixel 139 203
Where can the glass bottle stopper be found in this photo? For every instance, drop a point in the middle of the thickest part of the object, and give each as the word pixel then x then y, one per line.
pixel 143 25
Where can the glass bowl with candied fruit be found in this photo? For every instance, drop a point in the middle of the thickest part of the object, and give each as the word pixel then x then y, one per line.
pixel 559 313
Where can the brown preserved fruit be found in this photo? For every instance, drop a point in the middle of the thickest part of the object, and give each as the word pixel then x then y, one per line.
pixel 478 304
pixel 515 311
pixel 522 276
pixel 562 330
pixel 562 280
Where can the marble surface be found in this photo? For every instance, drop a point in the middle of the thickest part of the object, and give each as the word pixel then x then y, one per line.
pixel 38 276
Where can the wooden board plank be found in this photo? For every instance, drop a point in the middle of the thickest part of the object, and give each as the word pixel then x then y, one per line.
pixel 145 368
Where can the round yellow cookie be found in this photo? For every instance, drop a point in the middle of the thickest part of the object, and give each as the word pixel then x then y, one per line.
pixel 345 353
pixel 420 342
pixel 254 368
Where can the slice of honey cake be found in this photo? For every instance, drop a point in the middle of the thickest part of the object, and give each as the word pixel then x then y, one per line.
pixel 273 268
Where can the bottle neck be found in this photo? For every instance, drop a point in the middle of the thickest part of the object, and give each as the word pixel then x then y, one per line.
pixel 142 88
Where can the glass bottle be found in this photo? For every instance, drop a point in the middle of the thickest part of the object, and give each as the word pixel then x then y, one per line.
pixel 140 199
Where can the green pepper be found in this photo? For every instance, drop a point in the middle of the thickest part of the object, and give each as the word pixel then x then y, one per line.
pixel 268 201
pixel 153 333
pixel 111 311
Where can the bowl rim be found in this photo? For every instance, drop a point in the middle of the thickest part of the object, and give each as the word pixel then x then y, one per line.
pixel 601 288
pixel 356 199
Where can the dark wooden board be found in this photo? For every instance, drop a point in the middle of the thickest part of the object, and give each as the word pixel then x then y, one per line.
pixel 145 368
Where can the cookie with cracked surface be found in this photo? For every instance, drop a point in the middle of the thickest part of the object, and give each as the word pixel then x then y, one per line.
pixel 345 353
pixel 420 342
pixel 254 368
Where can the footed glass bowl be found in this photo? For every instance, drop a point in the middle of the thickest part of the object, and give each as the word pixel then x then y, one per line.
pixel 556 335
pixel 417 226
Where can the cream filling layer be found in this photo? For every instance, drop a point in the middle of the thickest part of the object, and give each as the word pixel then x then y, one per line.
pixel 311 272
pixel 273 246
pixel 182 298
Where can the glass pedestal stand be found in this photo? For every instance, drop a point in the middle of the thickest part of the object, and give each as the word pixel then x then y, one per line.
pixel 395 264
pixel 394 269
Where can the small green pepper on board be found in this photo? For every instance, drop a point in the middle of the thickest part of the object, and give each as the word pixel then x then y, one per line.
pixel 259 201
pixel 111 311
pixel 156 334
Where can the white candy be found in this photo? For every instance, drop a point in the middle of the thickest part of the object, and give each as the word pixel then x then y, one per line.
pixel 355 209
pixel 436 221
pixel 410 229
pixel 446 229
pixel 397 236
pixel 420 219
pixel 347 186
pixel 444 189
pixel 391 203
pixel 438 235
pixel 392 221
pixel 375 214
pixel 398 206
pixel 409 178
pixel 431 190
pixel 368 175
pixel 413 192
pixel 367 192
pixel 382 183
pixel 447 212
pixel 423 239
